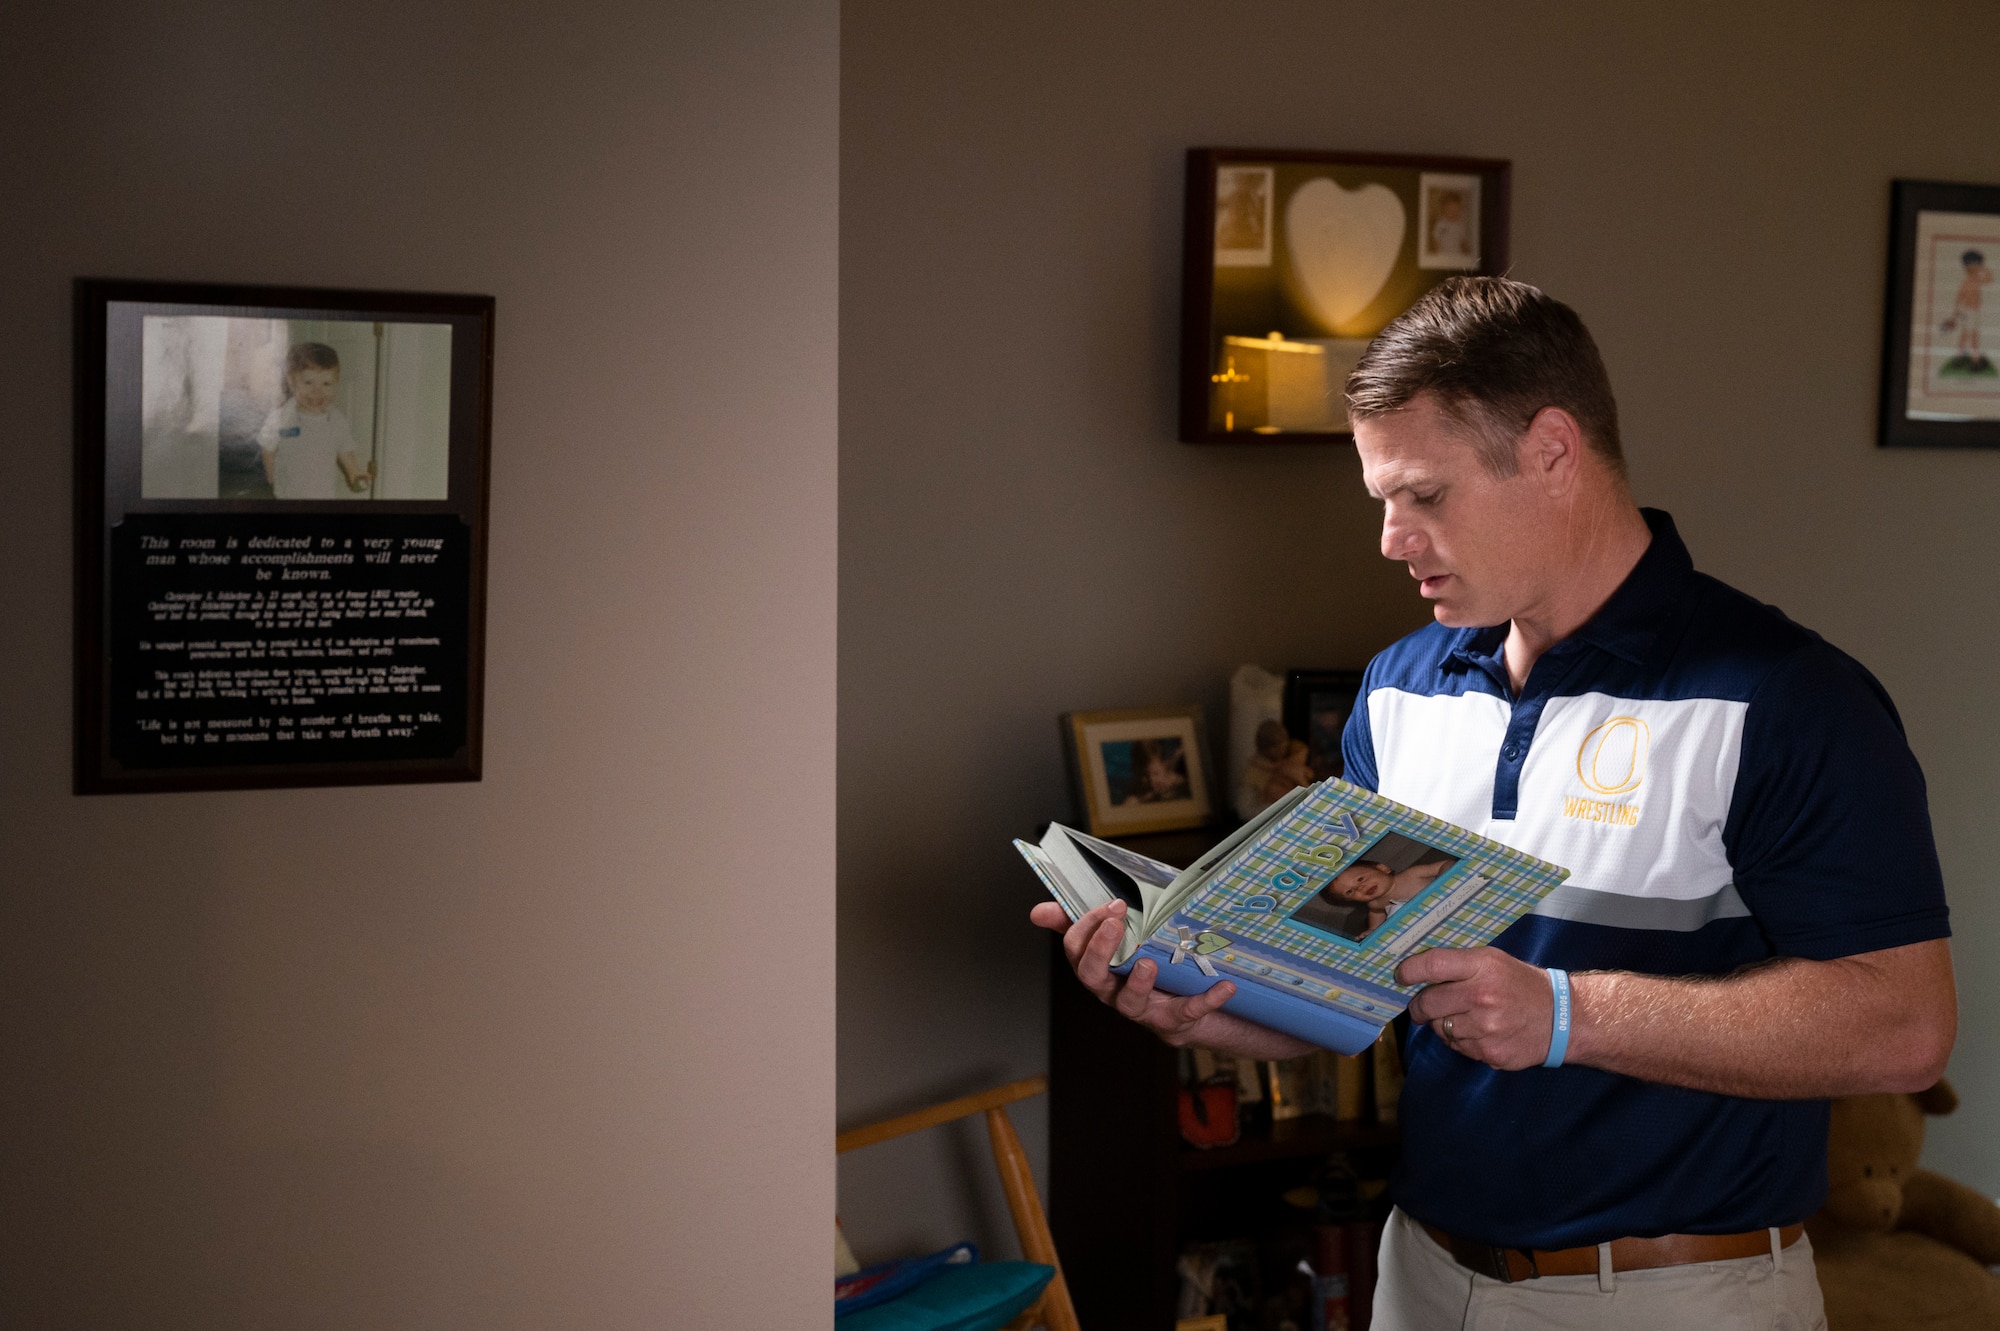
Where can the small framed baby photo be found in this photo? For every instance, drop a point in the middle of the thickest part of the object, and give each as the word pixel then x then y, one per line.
pixel 1447 221
pixel 1941 335
pixel 280 535
pixel 1139 770
pixel 1243 216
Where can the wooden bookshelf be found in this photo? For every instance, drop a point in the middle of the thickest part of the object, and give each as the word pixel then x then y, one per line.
pixel 1313 1137
pixel 1125 1192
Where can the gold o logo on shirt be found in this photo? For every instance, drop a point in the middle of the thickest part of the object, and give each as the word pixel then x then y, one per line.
pixel 1612 758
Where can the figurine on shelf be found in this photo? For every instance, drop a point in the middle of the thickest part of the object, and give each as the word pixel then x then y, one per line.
pixel 1278 764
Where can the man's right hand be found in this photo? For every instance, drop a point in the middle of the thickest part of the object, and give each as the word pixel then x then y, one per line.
pixel 1194 1020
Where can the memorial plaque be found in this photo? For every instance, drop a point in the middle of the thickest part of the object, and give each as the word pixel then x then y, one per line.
pixel 280 536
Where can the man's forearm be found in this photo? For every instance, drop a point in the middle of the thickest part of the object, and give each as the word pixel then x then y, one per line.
pixel 1791 1029
pixel 1227 1033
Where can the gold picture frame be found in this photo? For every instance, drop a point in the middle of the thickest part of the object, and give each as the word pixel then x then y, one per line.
pixel 1140 769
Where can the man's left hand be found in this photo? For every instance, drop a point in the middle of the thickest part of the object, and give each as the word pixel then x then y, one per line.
pixel 1483 1003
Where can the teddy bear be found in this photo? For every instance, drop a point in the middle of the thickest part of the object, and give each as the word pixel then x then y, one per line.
pixel 1898 1246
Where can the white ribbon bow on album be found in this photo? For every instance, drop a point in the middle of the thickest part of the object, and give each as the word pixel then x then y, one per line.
pixel 1184 948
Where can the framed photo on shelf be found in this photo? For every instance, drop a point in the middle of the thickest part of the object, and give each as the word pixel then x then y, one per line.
pixel 1317 705
pixel 1293 261
pixel 1140 769
pixel 280 535
pixel 1941 330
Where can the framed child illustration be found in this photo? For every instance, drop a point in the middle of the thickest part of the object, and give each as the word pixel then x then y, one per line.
pixel 280 535
pixel 1295 260
pixel 1941 338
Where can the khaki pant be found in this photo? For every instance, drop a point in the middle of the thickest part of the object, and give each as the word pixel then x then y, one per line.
pixel 1422 1289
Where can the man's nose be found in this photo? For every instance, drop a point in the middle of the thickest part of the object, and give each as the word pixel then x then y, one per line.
pixel 1399 541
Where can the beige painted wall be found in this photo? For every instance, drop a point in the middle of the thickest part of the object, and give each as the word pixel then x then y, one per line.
pixel 496 1055
pixel 1706 183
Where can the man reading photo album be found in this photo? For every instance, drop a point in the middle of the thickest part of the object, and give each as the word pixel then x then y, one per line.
pixel 1755 919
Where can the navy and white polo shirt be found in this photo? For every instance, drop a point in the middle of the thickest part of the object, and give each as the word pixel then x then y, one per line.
pixel 1724 787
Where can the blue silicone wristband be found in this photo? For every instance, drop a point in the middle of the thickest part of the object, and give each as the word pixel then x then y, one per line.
pixel 1559 1036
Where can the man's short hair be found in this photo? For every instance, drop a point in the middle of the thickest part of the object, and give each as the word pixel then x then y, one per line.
pixel 1491 352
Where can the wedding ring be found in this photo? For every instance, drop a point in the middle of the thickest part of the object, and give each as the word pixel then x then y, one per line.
pixel 1448 1035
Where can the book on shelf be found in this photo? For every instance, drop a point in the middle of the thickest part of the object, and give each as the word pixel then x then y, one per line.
pixel 1343 1282
pixel 1350 1087
pixel 1324 1082
pixel 1301 1086
pixel 1388 1080
pixel 1308 907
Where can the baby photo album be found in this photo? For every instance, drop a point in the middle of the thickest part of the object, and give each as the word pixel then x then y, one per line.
pixel 1308 907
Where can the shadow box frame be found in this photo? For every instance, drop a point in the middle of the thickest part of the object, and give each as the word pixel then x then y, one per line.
pixel 1198 252
pixel 1908 200
pixel 109 490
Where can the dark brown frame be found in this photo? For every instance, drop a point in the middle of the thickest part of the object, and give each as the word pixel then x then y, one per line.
pixel 98 492
pixel 1198 263
pixel 1894 428
pixel 1301 684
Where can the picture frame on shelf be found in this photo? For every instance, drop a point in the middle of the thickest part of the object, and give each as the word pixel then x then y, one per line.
pixel 1141 769
pixel 1941 324
pixel 1294 260
pixel 1317 705
pixel 280 534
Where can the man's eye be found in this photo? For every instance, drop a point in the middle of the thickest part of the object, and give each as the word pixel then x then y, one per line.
pixel 1425 497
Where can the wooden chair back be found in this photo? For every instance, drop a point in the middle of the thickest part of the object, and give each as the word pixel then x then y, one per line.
pixel 1053 1309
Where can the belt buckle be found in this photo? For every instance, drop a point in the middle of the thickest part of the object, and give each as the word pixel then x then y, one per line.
pixel 1488 1260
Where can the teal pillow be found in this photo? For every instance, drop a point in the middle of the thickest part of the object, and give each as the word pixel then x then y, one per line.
pixel 959 1298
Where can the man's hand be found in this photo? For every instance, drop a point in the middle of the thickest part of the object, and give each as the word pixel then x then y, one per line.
pixel 1483 1003
pixel 1194 1020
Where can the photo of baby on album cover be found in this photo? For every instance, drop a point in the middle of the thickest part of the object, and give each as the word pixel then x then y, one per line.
pixel 1387 876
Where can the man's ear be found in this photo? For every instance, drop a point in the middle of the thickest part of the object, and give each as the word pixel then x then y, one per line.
pixel 1552 450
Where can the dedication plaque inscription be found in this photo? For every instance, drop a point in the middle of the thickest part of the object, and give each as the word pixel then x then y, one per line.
pixel 280 536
